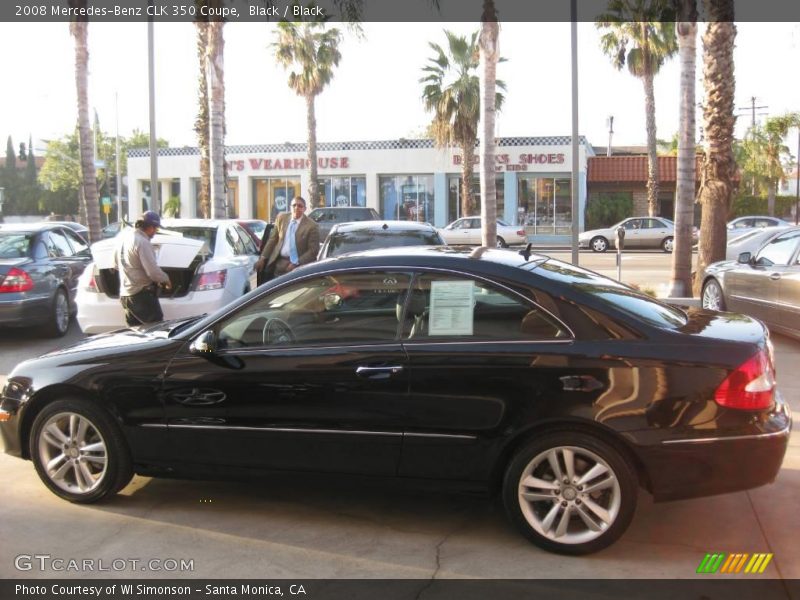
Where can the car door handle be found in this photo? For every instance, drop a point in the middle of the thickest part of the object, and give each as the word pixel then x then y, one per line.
pixel 775 276
pixel 378 372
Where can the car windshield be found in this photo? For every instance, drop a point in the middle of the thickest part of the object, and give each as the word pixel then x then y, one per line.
pixel 204 234
pixel 503 223
pixel 15 245
pixel 617 295
pixel 355 241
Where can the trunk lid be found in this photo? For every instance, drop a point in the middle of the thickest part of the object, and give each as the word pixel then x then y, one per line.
pixel 733 327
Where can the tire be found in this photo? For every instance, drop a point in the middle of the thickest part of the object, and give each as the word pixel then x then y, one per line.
pixel 599 244
pixel 79 451
pixel 568 518
pixel 668 245
pixel 57 322
pixel 501 243
pixel 712 297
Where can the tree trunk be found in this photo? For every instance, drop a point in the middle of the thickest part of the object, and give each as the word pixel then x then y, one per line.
pixel 681 281
pixel 489 45
pixel 201 124
pixel 719 167
pixel 88 196
pixel 772 186
pixel 467 170
pixel 311 124
pixel 215 70
pixel 652 153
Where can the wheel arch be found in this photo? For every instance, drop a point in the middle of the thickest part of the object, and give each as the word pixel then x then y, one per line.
pixel 44 397
pixel 613 438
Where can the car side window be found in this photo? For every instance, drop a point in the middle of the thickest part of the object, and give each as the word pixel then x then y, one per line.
pixel 763 223
pixel 779 251
pixel 743 223
pixel 59 245
pixel 442 307
pixel 233 241
pixel 248 245
pixel 351 308
pixel 78 244
pixel 633 224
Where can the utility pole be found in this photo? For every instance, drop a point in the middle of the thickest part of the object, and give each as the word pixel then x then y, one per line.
pixel 118 173
pixel 610 123
pixel 155 199
pixel 752 110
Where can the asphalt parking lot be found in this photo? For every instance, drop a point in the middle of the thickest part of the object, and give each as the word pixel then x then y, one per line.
pixel 310 527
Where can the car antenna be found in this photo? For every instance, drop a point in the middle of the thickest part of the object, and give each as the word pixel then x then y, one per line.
pixel 526 253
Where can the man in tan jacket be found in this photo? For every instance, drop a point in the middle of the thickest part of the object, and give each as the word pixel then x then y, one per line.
pixel 294 241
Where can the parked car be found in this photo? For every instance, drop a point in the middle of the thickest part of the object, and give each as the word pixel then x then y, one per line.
pixel 750 241
pixel 742 225
pixel 210 263
pixel 490 369
pixel 468 231
pixel 640 232
pixel 369 235
pixel 40 264
pixel 81 230
pixel 764 284
pixel 112 229
pixel 256 228
pixel 328 216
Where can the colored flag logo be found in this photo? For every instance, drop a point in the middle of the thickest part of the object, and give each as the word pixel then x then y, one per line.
pixel 719 562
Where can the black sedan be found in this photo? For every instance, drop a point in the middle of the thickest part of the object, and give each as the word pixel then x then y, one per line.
pixel 484 368
pixel 763 284
pixel 40 264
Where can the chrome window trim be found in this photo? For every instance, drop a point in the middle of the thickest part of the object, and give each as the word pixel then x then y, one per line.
pixel 442 435
pixel 285 430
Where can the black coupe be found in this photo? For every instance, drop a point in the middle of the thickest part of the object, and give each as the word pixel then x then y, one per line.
pixel 488 368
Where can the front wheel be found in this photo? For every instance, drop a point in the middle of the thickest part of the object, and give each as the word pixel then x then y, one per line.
pixel 712 296
pixel 570 493
pixel 79 452
pixel 668 245
pixel 501 243
pixel 599 244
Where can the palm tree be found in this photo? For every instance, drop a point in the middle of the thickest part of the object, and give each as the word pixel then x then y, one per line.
pixel 776 129
pixel 719 166
pixel 313 51
pixel 490 55
pixel 79 30
pixel 215 74
pixel 455 105
pixel 681 279
pixel 641 34
pixel 201 123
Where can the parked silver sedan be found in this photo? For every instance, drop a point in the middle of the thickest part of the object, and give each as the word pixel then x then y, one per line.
pixel 764 284
pixel 640 232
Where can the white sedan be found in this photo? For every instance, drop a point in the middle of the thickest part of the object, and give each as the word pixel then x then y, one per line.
pixel 210 264
pixel 467 230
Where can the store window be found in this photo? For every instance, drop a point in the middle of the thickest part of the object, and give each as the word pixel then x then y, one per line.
pixel 231 198
pixel 342 191
pixel 272 195
pixel 545 203
pixel 454 196
pixel 407 197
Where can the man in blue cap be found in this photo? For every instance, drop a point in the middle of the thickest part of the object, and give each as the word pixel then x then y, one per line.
pixel 139 273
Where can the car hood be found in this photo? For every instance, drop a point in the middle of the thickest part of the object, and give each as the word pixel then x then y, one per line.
pixel 723 265
pixel 171 251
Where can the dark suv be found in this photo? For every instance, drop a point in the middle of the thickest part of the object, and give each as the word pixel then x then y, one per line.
pixel 327 217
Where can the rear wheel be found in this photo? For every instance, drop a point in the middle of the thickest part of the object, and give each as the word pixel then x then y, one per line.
pixel 79 452
pixel 501 243
pixel 712 296
pixel 570 492
pixel 668 245
pixel 599 244
pixel 58 320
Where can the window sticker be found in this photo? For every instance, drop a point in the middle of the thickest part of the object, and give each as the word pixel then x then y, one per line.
pixel 452 308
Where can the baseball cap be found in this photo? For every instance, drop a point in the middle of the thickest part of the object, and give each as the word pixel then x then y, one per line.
pixel 151 218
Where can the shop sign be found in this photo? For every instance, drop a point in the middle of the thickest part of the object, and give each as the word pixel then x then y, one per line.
pixel 503 161
pixel 288 164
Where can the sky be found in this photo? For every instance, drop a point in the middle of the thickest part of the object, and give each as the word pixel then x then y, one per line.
pixel 375 93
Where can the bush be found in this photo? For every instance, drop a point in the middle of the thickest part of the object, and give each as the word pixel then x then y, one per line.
pixel 607 208
pixel 745 205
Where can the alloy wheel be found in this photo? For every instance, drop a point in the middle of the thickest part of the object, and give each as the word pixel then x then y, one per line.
pixel 712 296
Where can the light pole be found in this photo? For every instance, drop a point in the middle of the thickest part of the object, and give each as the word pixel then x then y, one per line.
pixel 2 197
pixel 796 183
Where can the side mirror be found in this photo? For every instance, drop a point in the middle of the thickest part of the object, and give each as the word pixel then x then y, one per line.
pixel 203 344
pixel 744 258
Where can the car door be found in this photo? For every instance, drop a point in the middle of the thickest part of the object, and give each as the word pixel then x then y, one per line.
pixel 66 267
pixel 654 232
pixel 79 259
pixel 458 233
pixel 474 235
pixel 789 289
pixel 754 289
pixel 310 376
pixel 633 233
pixel 478 355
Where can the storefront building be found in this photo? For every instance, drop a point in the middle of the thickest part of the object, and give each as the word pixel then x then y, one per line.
pixel 402 179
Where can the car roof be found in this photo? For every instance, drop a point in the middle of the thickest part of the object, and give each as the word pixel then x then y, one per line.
pixel 33 227
pixel 342 208
pixel 209 223
pixel 382 226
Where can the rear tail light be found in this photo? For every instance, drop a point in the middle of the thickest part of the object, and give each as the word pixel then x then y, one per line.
pixel 16 280
pixel 749 387
pixel 521 232
pixel 213 280
pixel 91 286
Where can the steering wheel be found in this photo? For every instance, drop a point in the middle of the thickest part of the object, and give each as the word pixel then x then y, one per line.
pixel 276 331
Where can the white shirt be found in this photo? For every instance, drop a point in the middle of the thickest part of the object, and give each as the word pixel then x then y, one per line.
pixel 285 252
